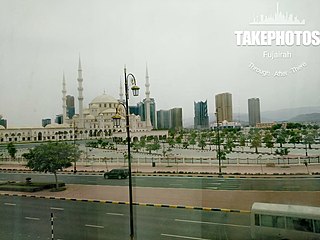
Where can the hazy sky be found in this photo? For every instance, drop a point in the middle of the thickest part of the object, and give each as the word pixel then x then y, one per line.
pixel 189 46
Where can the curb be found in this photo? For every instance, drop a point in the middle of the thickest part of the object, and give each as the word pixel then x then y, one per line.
pixel 127 203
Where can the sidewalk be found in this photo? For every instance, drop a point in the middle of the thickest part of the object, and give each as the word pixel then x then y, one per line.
pixel 188 168
pixel 223 199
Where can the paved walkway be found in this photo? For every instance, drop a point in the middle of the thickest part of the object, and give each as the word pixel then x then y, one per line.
pixel 234 199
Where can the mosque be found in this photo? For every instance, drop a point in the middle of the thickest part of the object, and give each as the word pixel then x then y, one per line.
pixel 94 122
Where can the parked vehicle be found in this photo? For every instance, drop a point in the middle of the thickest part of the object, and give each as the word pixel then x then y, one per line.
pixel 117 173
pixel 282 221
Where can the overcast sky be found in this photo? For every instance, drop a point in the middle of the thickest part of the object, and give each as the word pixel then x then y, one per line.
pixel 189 47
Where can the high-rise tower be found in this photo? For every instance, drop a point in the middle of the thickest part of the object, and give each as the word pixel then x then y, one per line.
pixel 70 106
pixel 224 107
pixel 254 111
pixel 201 118
pixel 80 95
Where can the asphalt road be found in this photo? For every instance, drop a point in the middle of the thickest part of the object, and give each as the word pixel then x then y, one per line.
pixel 29 218
pixel 214 183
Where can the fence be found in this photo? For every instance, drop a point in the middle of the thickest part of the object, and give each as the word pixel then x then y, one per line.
pixel 205 161
pixel 187 160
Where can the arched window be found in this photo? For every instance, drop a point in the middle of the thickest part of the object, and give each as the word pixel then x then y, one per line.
pixel 39 136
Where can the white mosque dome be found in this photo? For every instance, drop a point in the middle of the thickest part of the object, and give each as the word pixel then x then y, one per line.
pixel 104 98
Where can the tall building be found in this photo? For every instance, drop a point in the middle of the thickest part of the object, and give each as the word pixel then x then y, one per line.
pixel 170 119
pixel 201 118
pixel 70 106
pixel 224 107
pixel 254 111
pixel 176 118
pixel 134 110
pixel 141 111
pixel 163 119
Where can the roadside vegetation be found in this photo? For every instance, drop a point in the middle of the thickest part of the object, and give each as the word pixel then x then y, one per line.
pixel 52 157
pixel 229 140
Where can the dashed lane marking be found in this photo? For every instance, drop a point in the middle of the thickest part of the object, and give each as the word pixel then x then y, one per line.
pixel 211 223
pixel 32 218
pixel 55 208
pixel 93 226
pixel 10 204
pixel 115 214
pixel 127 203
pixel 183 237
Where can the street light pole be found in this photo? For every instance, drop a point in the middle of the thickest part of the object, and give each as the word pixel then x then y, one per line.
pixel 117 118
pixel 219 150
pixel 74 145
pixel 129 154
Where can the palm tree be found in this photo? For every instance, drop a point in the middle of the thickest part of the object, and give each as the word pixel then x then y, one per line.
pixel 256 141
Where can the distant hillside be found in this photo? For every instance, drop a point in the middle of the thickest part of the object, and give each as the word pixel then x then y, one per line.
pixel 289 113
pixel 311 118
pixel 301 114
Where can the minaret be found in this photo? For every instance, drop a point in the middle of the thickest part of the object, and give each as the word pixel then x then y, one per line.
pixel 80 96
pixel 64 99
pixel 147 102
pixel 121 92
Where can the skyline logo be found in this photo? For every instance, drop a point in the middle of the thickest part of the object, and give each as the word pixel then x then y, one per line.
pixel 277 38
pixel 278 18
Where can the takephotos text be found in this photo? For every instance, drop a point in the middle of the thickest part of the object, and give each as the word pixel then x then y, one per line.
pixel 277 38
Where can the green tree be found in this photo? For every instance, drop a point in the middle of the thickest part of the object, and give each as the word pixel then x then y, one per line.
pixel 282 151
pixel 136 146
pixel 142 142
pixel 104 144
pixel 171 142
pixel 281 136
pixel 268 140
pixel 202 143
pixel 12 150
pixel 242 141
pixel 192 142
pixel 294 137
pixel 51 157
pixel 185 144
pixel 309 137
pixel 230 139
pixel 256 141
pixel 223 155
pixel 152 147
pixel 179 139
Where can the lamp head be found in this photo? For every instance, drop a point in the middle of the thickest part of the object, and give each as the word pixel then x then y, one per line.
pixel 135 90
pixel 116 120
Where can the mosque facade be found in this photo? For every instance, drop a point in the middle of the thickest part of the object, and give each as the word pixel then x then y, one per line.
pixel 90 123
